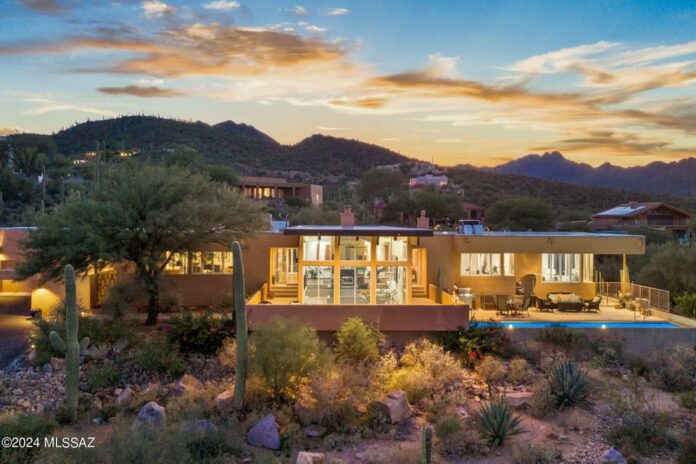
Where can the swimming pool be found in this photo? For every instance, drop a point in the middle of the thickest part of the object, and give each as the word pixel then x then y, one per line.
pixel 581 325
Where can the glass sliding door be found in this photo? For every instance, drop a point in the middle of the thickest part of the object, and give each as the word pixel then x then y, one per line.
pixel 284 266
pixel 318 285
pixel 392 287
pixel 355 285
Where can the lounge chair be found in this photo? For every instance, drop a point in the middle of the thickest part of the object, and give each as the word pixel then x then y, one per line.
pixel 593 304
pixel 545 304
pixel 501 303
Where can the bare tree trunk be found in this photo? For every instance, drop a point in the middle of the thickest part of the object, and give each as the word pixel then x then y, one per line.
pixel 153 306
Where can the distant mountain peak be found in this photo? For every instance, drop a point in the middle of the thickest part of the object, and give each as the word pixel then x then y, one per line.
pixel 244 129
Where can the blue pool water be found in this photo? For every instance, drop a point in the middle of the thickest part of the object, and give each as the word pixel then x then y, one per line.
pixel 582 325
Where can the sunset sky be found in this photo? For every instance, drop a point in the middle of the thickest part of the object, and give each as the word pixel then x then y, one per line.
pixel 449 81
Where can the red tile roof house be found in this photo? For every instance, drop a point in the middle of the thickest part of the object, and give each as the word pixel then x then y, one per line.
pixel 654 215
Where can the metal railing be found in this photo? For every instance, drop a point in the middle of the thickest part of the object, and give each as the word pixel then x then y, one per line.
pixel 656 298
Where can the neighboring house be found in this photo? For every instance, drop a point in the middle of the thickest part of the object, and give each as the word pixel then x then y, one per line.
pixel 392 276
pixel 654 215
pixel 275 188
pixel 473 211
pixel 427 180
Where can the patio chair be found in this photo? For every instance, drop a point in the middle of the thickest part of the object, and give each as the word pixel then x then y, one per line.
pixel 501 303
pixel 593 304
pixel 545 304
pixel 525 305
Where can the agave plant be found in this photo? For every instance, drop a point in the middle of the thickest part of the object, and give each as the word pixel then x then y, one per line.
pixel 495 422
pixel 569 383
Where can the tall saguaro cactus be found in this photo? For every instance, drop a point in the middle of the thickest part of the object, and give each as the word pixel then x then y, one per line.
pixel 239 303
pixel 70 346
pixel 426 445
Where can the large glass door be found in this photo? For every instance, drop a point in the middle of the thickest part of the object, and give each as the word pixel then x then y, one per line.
pixel 355 285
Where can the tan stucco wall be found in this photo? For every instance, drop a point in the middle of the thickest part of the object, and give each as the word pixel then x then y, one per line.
pixel 50 294
pixel 257 257
pixel 199 289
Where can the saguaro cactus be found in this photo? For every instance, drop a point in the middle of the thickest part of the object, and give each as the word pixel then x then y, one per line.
pixel 426 445
pixel 239 303
pixel 70 347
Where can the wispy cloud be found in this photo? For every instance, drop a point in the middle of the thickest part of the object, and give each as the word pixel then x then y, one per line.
pixel 297 10
pixel 53 7
pixel 331 129
pixel 335 11
pixel 138 91
pixel 156 9
pixel 314 28
pixel 223 5
pixel 50 108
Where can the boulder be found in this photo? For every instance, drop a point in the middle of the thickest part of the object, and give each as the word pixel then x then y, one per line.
pixel 613 457
pixel 58 364
pixel 31 357
pixel 119 345
pixel 305 457
pixel 125 398
pixel 152 415
pixel 518 399
pixel 188 383
pixel 47 368
pixel 264 434
pixel 225 400
pixel 394 406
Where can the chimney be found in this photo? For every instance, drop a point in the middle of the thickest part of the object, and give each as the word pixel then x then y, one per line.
pixel 347 217
pixel 423 222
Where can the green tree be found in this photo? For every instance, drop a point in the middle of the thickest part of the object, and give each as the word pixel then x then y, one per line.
pixel 29 160
pixel 669 266
pixel 520 214
pixel 436 203
pixel 187 157
pixel 140 214
pixel 382 183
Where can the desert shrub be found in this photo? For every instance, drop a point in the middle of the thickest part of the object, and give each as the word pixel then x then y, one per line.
pixel 562 337
pixel 687 399
pixel 150 444
pixel 202 333
pixel 464 441
pixel 542 403
pixel 674 368
pixel 335 399
pixel 496 422
pixel 608 352
pixel 158 357
pixel 68 455
pixel 638 366
pixel 518 371
pixel 643 428
pixel 24 426
pixel 357 341
pixel 530 453
pixel 227 355
pixel 491 370
pixel 426 369
pixel 578 420
pixel 100 377
pixel 122 296
pixel 687 450
pixel 477 341
pixel 569 384
pixel 447 426
pixel 285 354
pixel 687 304
pixel 403 453
pixel 170 300
pixel 109 409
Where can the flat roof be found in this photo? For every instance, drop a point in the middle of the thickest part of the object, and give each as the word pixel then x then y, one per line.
pixel 381 231
pixel 539 234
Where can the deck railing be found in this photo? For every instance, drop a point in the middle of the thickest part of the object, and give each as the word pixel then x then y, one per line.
pixel 656 298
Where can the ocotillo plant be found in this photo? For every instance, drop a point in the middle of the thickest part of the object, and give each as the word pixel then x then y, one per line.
pixel 239 303
pixel 426 445
pixel 70 347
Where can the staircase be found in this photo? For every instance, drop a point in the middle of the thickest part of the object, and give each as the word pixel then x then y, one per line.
pixel 284 291
pixel 418 291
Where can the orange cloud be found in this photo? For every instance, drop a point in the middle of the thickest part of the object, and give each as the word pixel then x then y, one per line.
pixel 138 91
pixel 43 6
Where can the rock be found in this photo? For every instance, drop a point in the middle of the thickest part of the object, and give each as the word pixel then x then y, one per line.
pixel 47 368
pixel 305 457
pixel 31 357
pixel 225 399
pixel 613 457
pixel 117 391
pixel 84 388
pixel 17 391
pixel 58 364
pixel 152 414
pixel 518 399
pixel 314 431
pixel 163 391
pixel 98 420
pixel 265 433
pixel 462 412
pixel 188 383
pixel 394 406
pixel 125 398
pixel 119 345
pixel 361 456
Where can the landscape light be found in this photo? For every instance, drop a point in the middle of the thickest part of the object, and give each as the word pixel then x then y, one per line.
pixel 603 326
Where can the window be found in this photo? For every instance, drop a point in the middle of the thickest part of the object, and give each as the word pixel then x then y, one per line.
pixel 318 248
pixel 560 267
pixel 480 264
pixel 588 268
pixel 355 285
pixel 391 285
pixel 354 249
pixel 392 249
pixel 200 262
pixel 318 285
pixel 509 264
